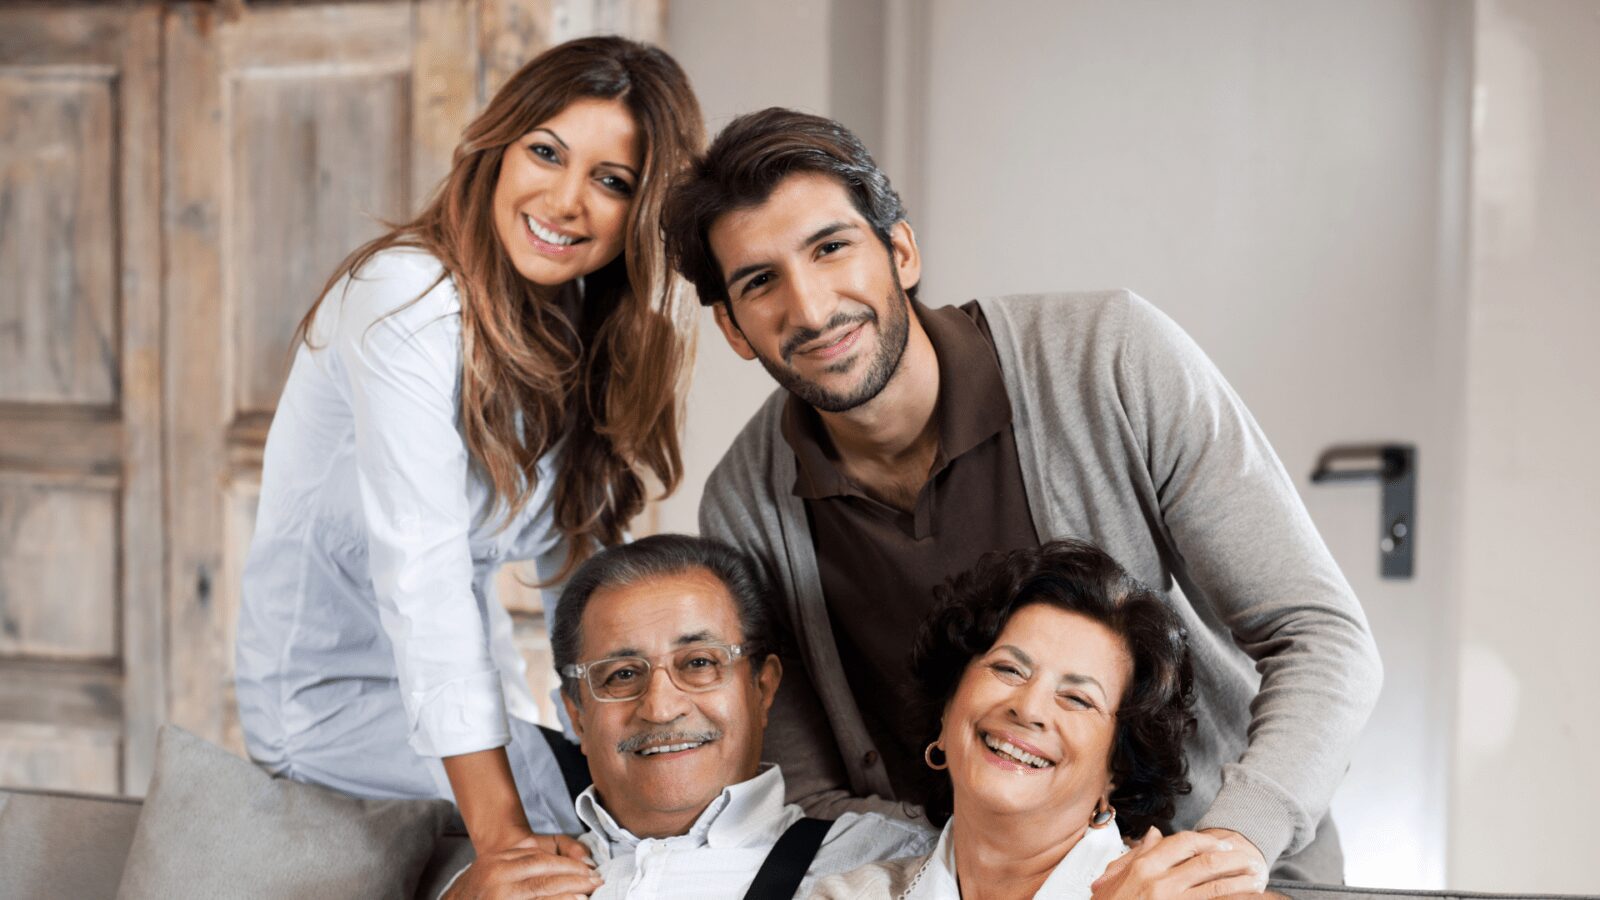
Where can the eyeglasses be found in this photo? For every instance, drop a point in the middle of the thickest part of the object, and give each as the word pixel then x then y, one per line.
pixel 697 668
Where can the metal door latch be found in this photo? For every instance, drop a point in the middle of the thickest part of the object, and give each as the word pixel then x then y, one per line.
pixel 1395 465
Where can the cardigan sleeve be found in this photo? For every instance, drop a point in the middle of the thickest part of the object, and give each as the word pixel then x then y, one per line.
pixel 1250 551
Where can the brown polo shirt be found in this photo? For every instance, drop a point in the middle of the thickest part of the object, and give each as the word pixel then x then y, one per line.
pixel 878 564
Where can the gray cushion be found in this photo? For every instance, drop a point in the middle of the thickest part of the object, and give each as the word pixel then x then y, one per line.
pixel 214 825
pixel 62 845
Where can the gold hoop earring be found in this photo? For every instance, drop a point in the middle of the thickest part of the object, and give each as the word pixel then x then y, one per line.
pixel 927 757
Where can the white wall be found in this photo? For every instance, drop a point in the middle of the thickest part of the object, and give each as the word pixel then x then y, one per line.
pixel 741 56
pixel 1296 185
pixel 1526 783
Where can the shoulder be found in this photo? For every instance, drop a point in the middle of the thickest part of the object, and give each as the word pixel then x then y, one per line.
pixel 743 472
pixel 404 287
pixel 890 878
pixel 1065 315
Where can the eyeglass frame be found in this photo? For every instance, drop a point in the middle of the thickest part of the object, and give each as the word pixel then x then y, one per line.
pixel 736 652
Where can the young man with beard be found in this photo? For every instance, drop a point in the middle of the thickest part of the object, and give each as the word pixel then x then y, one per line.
pixel 909 440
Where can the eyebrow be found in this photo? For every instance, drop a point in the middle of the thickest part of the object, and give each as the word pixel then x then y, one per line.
pixel 1070 677
pixel 828 230
pixel 557 138
pixel 683 640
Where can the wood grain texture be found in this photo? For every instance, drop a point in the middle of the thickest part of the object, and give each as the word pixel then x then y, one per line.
pixel 58 236
pixel 318 162
pixel 58 553
pixel 50 757
pixel 143 537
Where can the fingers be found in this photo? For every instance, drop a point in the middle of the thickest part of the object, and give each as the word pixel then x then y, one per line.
pixel 1227 868
pixel 572 848
pixel 1237 886
pixel 1135 850
pixel 562 885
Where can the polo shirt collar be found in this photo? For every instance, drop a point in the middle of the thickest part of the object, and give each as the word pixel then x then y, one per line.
pixel 972 406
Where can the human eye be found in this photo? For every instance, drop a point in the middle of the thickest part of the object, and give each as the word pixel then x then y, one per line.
pixel 617 185
pixel 702 665
pixel 1075 701
pixel 755 283
pixel 621 674
pixel 544 151
pixel 830 247
pixel 1007 671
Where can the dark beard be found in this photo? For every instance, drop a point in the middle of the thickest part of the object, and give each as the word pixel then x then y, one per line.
pixel 892 338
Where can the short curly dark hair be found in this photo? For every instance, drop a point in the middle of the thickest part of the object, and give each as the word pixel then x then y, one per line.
pixel 1155 714
pixel 745 164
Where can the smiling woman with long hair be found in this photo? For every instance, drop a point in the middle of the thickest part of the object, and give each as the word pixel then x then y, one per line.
pixel 484 383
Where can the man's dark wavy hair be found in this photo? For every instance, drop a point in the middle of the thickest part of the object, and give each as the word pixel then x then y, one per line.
pixel 1155 714
pixel 745 164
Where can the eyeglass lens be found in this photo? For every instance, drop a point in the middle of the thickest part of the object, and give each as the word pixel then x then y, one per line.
pixel 691 669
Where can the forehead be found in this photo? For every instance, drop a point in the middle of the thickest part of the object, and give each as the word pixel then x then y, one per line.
pixel 1065 643
pixel 797 207
pixel 599 125
pixel 654 614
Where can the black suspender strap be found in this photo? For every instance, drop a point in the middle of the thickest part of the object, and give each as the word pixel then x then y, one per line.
pixel 785 866
pixel 574 768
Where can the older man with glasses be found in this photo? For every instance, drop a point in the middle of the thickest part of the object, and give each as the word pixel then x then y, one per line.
pixel 668 670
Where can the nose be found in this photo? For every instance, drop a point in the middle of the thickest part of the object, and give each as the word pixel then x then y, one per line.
pixel 566 195
pixel 662 701
pixel 1030 703
pixel 808 302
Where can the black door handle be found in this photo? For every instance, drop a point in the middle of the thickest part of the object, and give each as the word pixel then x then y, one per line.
pixel 1395 466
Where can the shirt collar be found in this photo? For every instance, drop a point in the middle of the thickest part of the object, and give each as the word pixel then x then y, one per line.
pixel 750 813
pixel 1070 879
pixel 972 405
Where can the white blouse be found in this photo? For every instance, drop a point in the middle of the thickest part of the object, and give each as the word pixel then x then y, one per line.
pixel 368 589
pixel 933 877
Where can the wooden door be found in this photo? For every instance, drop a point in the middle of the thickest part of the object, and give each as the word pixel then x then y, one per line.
pixel 291 132
pixel 81 543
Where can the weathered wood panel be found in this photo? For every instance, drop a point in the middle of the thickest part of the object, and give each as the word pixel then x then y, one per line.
pixel 58 585
pixel 319 162
pixel 58 235
pixel 50 757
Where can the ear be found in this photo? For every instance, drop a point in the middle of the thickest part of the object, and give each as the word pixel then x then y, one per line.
pixel 577 720
pixel 767 683
pixel 730 330
pixel 907 258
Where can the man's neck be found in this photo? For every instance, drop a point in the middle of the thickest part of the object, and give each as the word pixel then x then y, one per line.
pixel 887 445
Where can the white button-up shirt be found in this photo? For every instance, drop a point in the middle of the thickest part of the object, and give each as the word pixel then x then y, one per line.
pixel 368 620
pixel 722 852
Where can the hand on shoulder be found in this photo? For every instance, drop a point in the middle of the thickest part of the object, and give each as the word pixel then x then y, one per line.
pixel 1194 865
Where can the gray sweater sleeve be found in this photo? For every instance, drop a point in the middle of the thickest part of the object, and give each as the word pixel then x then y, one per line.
pixel 1248 557
pixel 736 508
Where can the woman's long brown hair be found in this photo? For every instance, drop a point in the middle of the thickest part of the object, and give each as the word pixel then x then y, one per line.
pixel 608 385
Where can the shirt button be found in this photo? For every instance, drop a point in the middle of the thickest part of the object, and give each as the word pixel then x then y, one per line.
pixel 871 759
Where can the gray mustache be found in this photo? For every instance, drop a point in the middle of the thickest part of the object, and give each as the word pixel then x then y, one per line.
pixel 807 335
pixel 640 741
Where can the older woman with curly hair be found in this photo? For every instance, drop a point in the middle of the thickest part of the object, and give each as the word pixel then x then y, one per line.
pixel 1057 695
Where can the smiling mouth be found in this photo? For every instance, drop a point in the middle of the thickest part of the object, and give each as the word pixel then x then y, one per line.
pixel 1012 753
pixel 660 749
pixel 547 235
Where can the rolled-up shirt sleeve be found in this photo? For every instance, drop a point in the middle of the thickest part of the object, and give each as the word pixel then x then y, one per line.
pixel 401 363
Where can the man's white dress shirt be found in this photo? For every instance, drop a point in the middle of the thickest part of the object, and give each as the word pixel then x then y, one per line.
pixel 722 852
pixel 370 642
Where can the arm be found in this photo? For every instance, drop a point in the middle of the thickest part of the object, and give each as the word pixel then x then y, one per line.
pixel 799 738
pixel 1248 548
pixel 400 374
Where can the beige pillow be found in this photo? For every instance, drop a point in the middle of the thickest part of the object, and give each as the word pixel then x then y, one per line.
pixel 213 825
